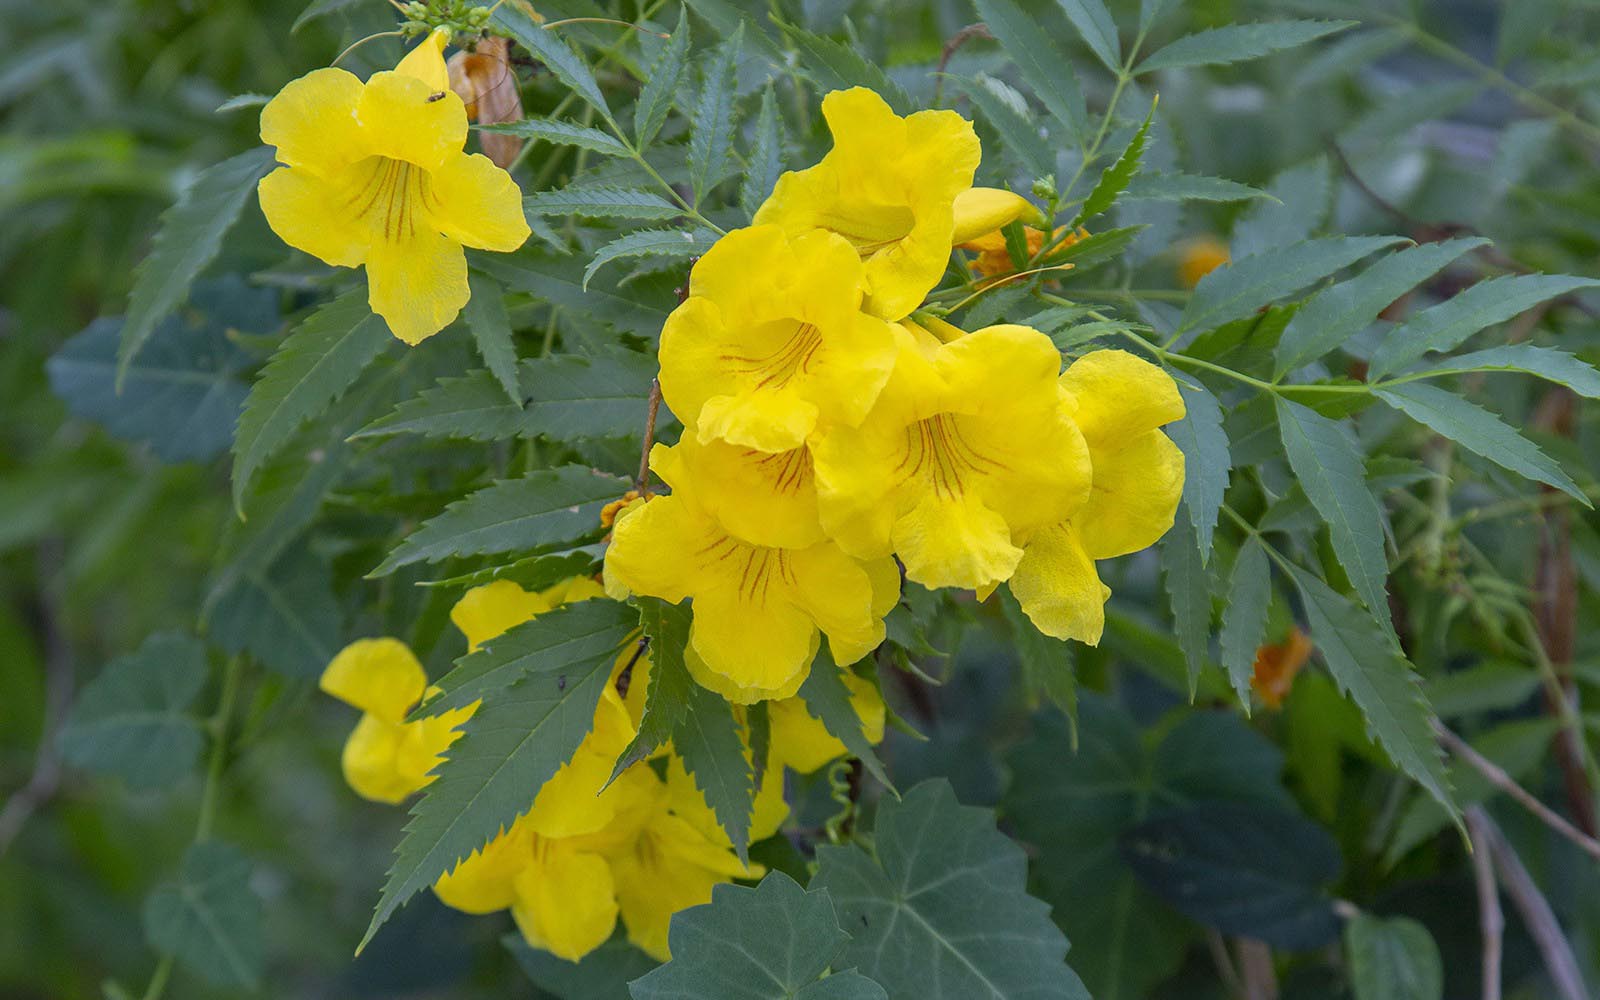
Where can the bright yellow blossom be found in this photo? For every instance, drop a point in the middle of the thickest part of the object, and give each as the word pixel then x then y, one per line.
pixel 802 743
pixel 1119 402
pixel 772 341
pixel 888 186
pixel 385 757
pixel 967 451
pixel 768 498
pixel 757 609
pixel 375 174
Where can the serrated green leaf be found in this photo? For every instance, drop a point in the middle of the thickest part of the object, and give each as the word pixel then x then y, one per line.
pixel 1238 289
pixel 559 282
pixel 833 65
pixel 1097 29
pixel 1244 617
pixel 940 910
pixel 1236 43
pixel 531 573
pixel 1188 588
pixel 569 397
pixel 1543 362
pixel 1368 667
pixel 554 52
pixel 828 699
pixel 1047 668
pixel 210 919
pixel 1394 959
pixel 471 407
pixel 1481 432
pixel 1350 53
pixel 1045 68
pixel 563 133
pixel 1017 130
pixel 1341 311
pixel 667 697
pixel 485 313
pixel 661 83
pixel 765 162
pixel 1301 194
pixel 603 201
pixel 286 617
pixel 316 363
pixel 1178 186
pixel 189 236
pixel 1327 461
pixel 773 942
pixel 133 719
pixel 707 738
pixel 1116 177
pixel 540 510
pixel 1446 325
pixel 1095 248
pixel 510 747
pixel 603 974
pixel 566 634
pixel 712 123
pixel 1206 459
pixel 672 243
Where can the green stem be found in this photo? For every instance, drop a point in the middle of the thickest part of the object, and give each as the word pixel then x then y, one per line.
pixel 158 980
pixel 217 726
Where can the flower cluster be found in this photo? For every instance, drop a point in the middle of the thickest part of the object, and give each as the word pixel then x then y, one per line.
pixel 588 849
pixel 829 430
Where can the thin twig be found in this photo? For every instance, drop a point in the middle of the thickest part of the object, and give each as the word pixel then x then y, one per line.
pixel 1224 963
pixel 1497 777
pixel 1537 916
pixel 960 38
pixel 1255 966
pixel 1491 921
pixel 643 479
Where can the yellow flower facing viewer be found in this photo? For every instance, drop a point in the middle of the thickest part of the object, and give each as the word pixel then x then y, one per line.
pixel 888 186
pixel 966 452
pixel 772 342
pixel 375 174
pixel 1119 402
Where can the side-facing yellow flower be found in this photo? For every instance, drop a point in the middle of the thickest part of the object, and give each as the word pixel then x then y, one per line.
pixel 1119 402
pixel 375 174
pixel 386 758
pixel 967 451
pixel 772 341
pixel 767 498
pixel 802 743
pixel 888 186
pixel 757 609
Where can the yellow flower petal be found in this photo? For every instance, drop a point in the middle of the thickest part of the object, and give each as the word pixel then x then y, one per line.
pixel 1136 492
pixel 648 543
pixel 370 761
pixel 401 118
pixel 566 902
pixel 1058 588
pixel 483 883
pixel 1119 396
pixel 803 743
pixel 426 61
pixel 980 211
pixel 741 694
pixel 955 542
pixel 312 214
pixel 418 283
pixel 487 611
pixel 478 204
pixel 768 498
pixel 312 123
pixel 382 677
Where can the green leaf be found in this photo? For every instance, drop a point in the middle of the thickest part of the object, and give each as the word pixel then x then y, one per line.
pixel 1353 52
pixel 1043 66
pixel 826 697
pixel 1248 870
pixel 1003 110
pixel 706 736
pixel 1178 186
pixel 188 239
pixel 1244 617
pixel 1336 314
pixel 559 282
pixel 1236 290
pixel 567 634
pixel 133 719
pixel 471 407
pixel 1543 362
pixel 210 919
pixel 533 573
pixel 1098 30
pixel 773 942
pixel 1481 432
pixel 552 50
pixel 1116 177
pixel 940 911
pixel 834 65
pixel 286 617
pixel 603 974
pixel 510 747
pixel 1446 325
pixel 485 313
pixel 540 510
pixel 711 125
pixel 1188 587
pixel 1392 959
pixel 1301 194
pixel 1101 246
pixel 603 201
pixel 667 698
pixel 1327 461
pixel 312 368
pixel 1047 667
pixel 765 162
pixel 562 133
pixel 674 243
pixel 1236 43
pixel 661 83
pixel 1370 670
pixel 1206 461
